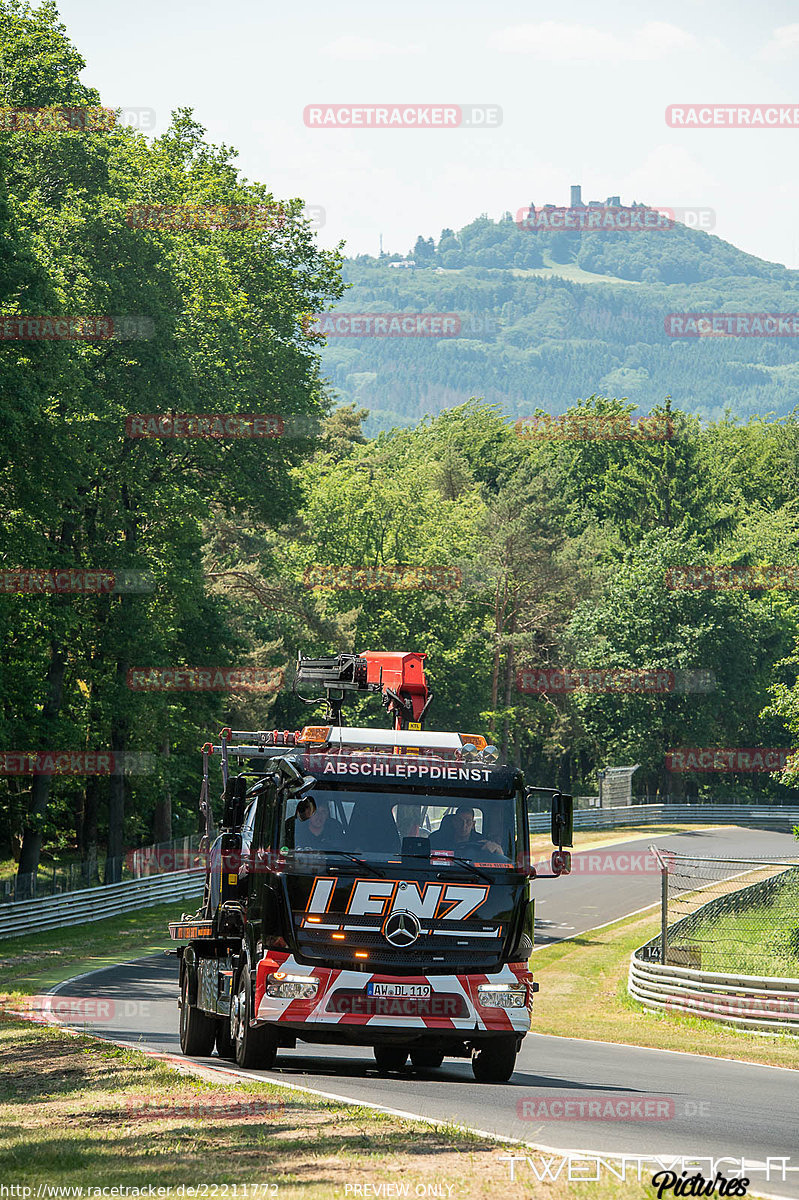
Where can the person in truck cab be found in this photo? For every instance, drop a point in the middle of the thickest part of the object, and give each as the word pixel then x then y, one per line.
pixel 315 829
pixel 457 833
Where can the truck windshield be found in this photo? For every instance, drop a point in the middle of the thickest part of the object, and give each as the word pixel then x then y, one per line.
pixel 483 830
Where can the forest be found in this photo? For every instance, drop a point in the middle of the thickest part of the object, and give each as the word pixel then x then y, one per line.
pixel 500 548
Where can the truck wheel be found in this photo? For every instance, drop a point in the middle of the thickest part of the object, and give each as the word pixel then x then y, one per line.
pixel 224 1042
pixel 493 1062
pixel 253 1046
pixel 390 1058
pixel 426 1060
pixel 197 1030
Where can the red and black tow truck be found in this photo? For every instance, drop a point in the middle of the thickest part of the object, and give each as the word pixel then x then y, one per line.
pixel 369 887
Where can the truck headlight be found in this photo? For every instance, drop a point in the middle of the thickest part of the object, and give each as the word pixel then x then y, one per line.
pixel 291 987
pixel 502 995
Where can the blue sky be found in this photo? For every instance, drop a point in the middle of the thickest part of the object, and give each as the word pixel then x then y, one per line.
pixel 583 88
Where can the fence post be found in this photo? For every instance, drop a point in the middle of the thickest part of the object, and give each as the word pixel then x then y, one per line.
pixel 664 913
pixel 664 904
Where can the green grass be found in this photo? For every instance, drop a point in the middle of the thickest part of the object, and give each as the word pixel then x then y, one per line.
pixel 33 962
pixel 584 995
pixel 761 940
pixel 77 1111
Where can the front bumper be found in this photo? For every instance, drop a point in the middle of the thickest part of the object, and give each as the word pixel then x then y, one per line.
pixel 341 1000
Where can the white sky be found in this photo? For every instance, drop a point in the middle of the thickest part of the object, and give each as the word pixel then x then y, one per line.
pixel 583 88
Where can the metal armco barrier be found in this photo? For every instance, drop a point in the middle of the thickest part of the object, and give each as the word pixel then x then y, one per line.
pixel 746 1001
pixel 759 815
pixel 95 904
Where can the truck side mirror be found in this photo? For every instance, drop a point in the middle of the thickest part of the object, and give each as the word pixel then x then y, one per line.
pixel 562 820
pixel 235 798
pixel 561 862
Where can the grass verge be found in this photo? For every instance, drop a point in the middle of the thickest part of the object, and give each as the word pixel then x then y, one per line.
pixel 74 1110
pixel 41 960
pixel 584 995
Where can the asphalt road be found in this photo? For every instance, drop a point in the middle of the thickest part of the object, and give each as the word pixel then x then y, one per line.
pixel 705 1107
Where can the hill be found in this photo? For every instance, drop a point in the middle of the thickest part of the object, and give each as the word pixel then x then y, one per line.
pixel 550 317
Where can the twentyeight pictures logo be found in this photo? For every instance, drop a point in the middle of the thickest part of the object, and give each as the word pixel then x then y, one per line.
pixel 402 116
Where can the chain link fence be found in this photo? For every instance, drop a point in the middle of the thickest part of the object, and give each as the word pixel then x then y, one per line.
pixel 180 854
pixel 729 915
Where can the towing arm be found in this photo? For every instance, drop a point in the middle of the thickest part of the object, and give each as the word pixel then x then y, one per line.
pixel 397 676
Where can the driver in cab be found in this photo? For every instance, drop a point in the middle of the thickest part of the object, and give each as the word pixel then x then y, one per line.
pixel 457 833
pixel 314 828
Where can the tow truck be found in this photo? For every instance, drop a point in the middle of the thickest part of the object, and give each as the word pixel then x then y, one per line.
pixel 369 886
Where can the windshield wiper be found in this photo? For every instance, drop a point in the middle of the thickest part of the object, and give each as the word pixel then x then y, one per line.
pixel 353 858
pixel 465 862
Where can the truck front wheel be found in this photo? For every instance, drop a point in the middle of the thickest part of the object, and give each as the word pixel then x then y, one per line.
pixel 254 1046
pixel 197 1030
pixel 224 1042
pixel 390 1058
pixel 425 1059
pixel 493 1061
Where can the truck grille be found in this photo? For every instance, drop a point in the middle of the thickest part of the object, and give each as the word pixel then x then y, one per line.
pixel 429 954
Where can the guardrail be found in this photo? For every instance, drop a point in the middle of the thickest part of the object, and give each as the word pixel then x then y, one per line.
pixel 175 855
pixel 95 904
pixel 746 1001
pixel 758 815
pixel 759 1002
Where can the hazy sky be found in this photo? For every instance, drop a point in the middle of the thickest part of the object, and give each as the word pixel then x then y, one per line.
pixel 583 88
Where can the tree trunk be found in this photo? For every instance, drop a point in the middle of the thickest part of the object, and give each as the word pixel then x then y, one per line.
pixel 88 833
pixel 162 817
pixel 40 791
pixel 116 808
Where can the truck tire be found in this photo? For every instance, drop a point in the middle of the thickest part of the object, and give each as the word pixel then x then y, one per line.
pixel 390 1058
pixel 426 1060
pixel 197 1030
pixel 493 1061
pixel 224 1042
pixel 253 1046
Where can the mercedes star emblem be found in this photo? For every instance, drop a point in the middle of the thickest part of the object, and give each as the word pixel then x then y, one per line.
pixel 401 929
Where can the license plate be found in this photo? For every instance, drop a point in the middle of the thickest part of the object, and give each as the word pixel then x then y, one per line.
pixel 418 990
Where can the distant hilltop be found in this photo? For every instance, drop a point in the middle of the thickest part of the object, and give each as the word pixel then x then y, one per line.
pixel 598 216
